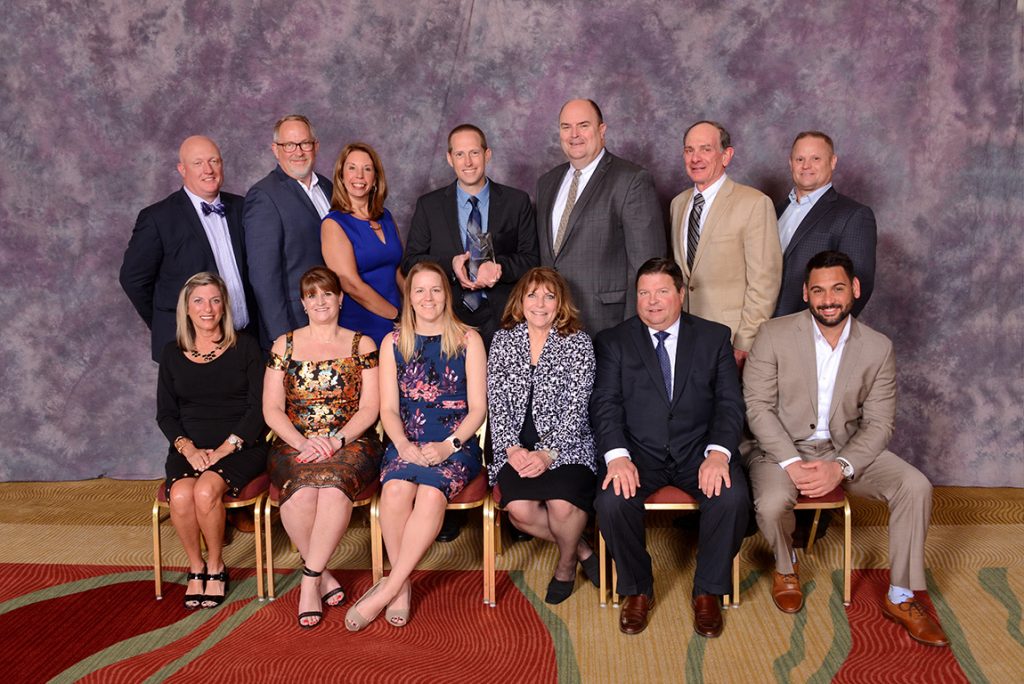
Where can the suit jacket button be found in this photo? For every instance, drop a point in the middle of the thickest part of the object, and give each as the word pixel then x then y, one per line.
pixel 812 426
pixel 692 288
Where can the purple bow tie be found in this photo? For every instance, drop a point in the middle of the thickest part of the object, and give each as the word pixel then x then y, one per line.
pixel 208 209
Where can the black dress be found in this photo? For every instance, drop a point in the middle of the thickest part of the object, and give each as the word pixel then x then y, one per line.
pixel 570 482
pixel 206 402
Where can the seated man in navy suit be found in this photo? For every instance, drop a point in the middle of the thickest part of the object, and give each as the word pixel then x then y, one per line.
pixel 667 410
pixel 282 219
pixel 197 228
pixel 445 218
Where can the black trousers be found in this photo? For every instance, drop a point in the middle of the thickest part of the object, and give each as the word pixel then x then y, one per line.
pixel 723 520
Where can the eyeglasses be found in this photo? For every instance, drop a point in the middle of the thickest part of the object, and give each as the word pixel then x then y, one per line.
pixel 305 145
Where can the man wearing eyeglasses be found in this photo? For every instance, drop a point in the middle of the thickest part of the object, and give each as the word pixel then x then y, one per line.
pixel 194 229
pixel 282 227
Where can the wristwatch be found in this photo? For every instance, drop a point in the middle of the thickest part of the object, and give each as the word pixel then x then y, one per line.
pixel 455 442
pixel 847 468
pixel 235 441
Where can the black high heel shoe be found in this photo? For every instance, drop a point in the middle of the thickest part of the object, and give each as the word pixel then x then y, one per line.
pixel 318 614
pixel 193 601
pixel 214 601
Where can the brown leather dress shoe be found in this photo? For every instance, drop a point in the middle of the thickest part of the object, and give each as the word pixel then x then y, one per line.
pixel 707 616
pixel 786 592
pixel 919 624
pixel 633 614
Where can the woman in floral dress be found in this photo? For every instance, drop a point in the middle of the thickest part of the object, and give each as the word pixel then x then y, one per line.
pixel 433 400
pixel 320 396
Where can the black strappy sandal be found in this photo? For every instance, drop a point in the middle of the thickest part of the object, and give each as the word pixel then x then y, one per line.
pixel 318 614
pixel 193 601
pixel 214 601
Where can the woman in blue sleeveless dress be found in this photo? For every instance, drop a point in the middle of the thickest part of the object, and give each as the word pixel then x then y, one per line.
pixel 360 243
pixel 433 400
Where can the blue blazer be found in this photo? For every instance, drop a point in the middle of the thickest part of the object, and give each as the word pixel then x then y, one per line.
pixel 282 236
pixel 834 222
pixel 168 246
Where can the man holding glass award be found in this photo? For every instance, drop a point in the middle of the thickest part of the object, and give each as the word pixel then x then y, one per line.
pixel 480 232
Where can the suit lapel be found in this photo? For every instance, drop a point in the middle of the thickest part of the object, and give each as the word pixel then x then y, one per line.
pixel 722 203
pixel 451 219
pixel 592 189
pixel 645 349
pixel 679 231
pixel 684 357
pixel 233 216
pixel 817 212
pixel 198 232
pixel 803 346
pixel 847 364
pixel 546 198
pixel 300 194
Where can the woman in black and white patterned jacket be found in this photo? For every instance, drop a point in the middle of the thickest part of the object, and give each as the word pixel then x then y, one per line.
pixel 539 376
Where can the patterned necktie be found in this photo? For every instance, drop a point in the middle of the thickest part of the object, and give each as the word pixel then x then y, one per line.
pixel 666 365
pixel 570 202
pixel 217 208
pixel 693 230
pixel 474 228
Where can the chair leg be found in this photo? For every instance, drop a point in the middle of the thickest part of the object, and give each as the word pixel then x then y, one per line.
pixel 847 551
pixel 157 560
pixel 257 519
pixel 602 591
pixel 814 532
pixel 267 512
pixel 376 540
pixel 498 549
pixel 488 525
pixel 735 581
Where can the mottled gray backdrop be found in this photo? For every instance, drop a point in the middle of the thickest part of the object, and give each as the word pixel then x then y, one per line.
pixel 923 98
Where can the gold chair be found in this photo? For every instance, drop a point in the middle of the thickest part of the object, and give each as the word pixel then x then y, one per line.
pixel 365 497
pixel 835 499
pixel 476 494
pixel 667 498
pixel 251 495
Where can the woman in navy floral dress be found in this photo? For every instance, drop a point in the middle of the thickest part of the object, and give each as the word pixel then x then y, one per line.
pixel 433 400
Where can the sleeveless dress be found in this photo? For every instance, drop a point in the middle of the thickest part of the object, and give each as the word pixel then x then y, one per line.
pixel 320 397
pixel 377 263
pixel 432 405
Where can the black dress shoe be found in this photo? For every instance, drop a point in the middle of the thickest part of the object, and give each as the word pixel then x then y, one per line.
pixel 559 590
pixel 450 530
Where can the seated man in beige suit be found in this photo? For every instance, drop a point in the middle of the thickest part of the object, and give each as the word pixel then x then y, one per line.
pixel 820 389
pixel 726 240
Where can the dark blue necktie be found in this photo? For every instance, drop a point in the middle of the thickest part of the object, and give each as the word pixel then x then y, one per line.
pixel 474 227
pixel 666 365
pixel 217 208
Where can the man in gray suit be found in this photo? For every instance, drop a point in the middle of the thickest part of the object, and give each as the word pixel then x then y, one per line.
pixel 820 389
pixel 598 219
pixel 282 227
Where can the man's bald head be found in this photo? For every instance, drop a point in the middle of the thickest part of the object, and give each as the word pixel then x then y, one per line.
pixel 200 166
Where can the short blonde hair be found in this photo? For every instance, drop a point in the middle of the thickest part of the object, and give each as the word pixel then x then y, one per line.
pixel 453 331
pixel 186 334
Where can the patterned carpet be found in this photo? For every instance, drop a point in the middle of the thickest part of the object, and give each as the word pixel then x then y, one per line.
pixel 77 603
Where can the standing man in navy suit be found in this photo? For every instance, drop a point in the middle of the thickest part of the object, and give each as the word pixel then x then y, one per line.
pixel 197 228
pixel 815 218
pixel 282 219
pixel 667 410
pixel 443 218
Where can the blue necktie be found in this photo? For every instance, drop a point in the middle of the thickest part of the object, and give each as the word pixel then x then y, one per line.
pixel 666 365
pixel 217 208
pixel 474 227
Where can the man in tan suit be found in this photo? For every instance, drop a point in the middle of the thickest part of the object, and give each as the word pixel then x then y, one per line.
pixel 820 389
pixel 726 240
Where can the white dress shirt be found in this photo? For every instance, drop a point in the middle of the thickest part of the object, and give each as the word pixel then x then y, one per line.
pixel 321 203
pixel 671 343
pixel 216 228
pixel 563 191
pixel 709 194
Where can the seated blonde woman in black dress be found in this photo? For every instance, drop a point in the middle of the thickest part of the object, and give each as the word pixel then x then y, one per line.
pixel 320 398
pixel 208 405
pixel 539 376
pixel 433 400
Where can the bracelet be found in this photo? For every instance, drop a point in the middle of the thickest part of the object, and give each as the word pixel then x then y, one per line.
pixel 340 437
pixel 177 439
